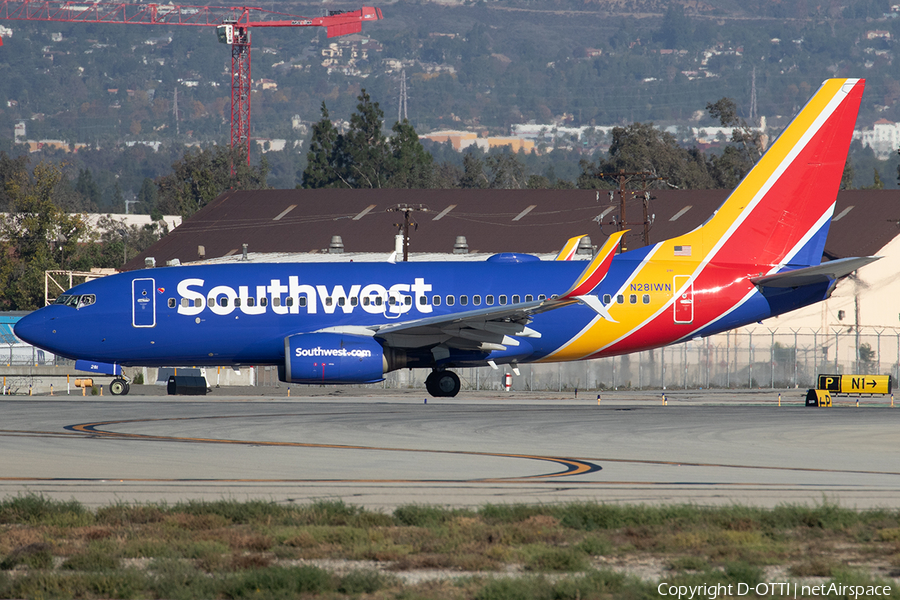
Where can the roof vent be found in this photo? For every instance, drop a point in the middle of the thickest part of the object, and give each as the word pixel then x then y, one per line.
pixel 149 262
pixel 461 246
pixel 584 246
pixel 336 246
pixel 173 263
pixel 244 253
pixel 201 252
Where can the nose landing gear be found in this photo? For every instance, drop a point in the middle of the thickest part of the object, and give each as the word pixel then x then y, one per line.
pixel 119 387
pixel 442 384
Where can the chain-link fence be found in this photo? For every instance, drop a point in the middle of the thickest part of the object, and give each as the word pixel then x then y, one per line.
pixel 744 358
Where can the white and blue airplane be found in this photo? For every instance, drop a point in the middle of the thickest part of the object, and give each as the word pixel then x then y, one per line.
pixel 759 255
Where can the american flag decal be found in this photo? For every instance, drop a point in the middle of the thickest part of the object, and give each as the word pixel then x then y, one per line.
pixel 682 251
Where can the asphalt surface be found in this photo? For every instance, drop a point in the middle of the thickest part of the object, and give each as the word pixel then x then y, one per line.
pixel 381 449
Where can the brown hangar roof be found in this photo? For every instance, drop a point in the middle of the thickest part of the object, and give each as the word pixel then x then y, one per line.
pixel 534 221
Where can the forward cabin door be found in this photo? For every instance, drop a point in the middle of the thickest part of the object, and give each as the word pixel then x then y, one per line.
pixel 684 302
pixel 143 302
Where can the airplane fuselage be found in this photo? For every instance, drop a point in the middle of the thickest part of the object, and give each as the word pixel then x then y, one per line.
pixel 237 314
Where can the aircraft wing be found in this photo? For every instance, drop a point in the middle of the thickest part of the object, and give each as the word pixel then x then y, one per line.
pixel 823 273
pixel 490 328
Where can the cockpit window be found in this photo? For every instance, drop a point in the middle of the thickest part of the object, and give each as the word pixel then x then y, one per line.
pixel 87 300
pixel 76 300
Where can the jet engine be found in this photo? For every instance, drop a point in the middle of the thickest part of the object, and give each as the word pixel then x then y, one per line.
pixel 332 358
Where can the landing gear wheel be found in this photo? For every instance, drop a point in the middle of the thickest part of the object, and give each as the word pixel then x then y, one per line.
pixel 119 387
pixel 442 384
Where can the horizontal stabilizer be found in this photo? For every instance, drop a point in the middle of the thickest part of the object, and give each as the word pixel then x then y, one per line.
pixel 823 273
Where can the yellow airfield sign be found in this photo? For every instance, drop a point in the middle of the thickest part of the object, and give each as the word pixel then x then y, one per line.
pixel 855 384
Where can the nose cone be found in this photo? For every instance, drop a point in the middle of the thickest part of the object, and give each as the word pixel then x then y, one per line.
pixel 35 329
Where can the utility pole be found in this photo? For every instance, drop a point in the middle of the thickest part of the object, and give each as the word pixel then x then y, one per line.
pixel 623 178
pixel 406 209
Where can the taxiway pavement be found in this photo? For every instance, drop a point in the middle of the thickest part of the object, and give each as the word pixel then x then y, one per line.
pixel 385 449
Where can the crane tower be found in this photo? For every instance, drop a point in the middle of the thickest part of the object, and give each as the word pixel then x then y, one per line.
pixel 232 25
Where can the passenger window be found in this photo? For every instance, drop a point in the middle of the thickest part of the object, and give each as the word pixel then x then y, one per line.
pixel 542 297
pixel 407 300
pixel 329 301
pixel 379 301
pixel 301 300
pixel 463 300
pixel 620 299
pixel 502 299
pixel 515 299
pixel 288 301
pixel 489 300
pixel 646 299
pixel 223 301
pixel 276 301
pixel 342 301
pixel 211 301
pixel 171 302
pixel 392 301
pixel 237 301
pixel 451 300
pixel 423 300
pixel 436 300
pixel 251 301
pixel 632 299
pixel 529 298
pixel 198 302
pixel 607 298
pixel 354 301
pixel 365 300
pixel 476 300
pixel 263 301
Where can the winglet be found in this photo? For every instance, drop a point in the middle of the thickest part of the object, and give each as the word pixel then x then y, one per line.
pixel 597 269
pixel 568 251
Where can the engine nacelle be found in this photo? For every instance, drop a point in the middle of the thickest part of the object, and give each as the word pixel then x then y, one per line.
pixel 332 358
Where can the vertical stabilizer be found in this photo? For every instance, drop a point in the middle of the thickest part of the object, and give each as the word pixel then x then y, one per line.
pixel 780 212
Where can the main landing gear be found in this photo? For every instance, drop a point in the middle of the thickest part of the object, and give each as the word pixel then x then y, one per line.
pixel 442 384
pixel 119 387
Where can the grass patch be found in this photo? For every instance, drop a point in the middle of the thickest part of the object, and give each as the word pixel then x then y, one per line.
pixel 228 549
pixel 35 509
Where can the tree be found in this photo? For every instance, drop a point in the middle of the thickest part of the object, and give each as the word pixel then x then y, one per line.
pixel 746 149
pixel 641 148
pixel 320 169
pixel 362 154
pixel 506 171
pixel 37 236
pixel 411 166
pixel 363 157
pixel 201 175
pixel 473 176
pixel 87 187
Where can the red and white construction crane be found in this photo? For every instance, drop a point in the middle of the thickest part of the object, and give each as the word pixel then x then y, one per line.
pixel 232 25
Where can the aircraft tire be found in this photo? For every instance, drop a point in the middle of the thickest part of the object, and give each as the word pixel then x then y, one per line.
pixel 446 384
pixel 429 386
pixel 118 387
